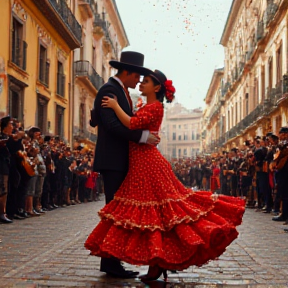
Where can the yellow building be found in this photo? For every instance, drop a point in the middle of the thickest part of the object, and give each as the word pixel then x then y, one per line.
pixel 103 39
pixel 36 63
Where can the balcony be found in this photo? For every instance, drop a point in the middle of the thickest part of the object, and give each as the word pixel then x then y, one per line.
pixel 270 12
pixel 260 31
pixel 85 71
pixel 225 88
pixel 62 19
pixel 277 93
pixel 61 79
pixel 86 8
pixel 19 53
pixel 104 30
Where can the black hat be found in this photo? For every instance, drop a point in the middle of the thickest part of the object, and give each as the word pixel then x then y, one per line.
pixel 5 121
pixel 283 130
pixel 130 61
pixel 269 134
pixel 234 150
pixel 159 76
pixel 47 138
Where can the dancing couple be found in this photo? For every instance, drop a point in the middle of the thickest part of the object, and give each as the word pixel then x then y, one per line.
pixel 149 218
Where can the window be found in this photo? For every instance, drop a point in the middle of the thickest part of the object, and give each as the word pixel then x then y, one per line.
pixel 270 69
pixel 16 98
pixel 185 136
pixel 174 152
pixel 279 60
pixel 179 126
pixel 19 47
pixel 179 153
pixel 60 79
pixel 193 135
pixel 42 106
pixel 59 121
pixel 179 137
pixel 43 66
pixel 174 126
pixel 81 117
pixel 247 103
pixel 185 152
pixel 262 84
pixel 174 136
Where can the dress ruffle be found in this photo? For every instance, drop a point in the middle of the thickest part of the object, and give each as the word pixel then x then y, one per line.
pixel 186 243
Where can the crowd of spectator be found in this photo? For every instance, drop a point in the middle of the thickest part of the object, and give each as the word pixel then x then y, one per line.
pixel 39 173
pixel 257 172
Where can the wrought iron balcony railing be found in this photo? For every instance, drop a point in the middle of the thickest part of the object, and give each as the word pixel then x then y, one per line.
pixel 225 88
pixel 260 30
pixel 270 12
pixel 85 68
pixel 58 13
pixel 19 53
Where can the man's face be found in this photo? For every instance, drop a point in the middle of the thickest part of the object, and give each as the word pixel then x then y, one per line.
pixel 9 128
pixel 132 79
pixel 37 135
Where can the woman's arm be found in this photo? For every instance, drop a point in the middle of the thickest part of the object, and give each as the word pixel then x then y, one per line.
pixel 108 102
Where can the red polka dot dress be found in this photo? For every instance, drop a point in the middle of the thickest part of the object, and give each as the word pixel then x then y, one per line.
pixel 154 219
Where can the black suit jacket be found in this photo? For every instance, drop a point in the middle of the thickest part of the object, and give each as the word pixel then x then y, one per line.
pixel 112 147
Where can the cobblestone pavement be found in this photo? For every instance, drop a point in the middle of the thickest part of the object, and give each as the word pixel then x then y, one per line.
pixel 48 251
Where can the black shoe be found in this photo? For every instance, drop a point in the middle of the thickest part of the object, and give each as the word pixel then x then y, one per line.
pixel 18 217
pixel 266 211
pixel 278 218
pixel 40 211
pixel 4 219
pixel 55 206
pixel 124 274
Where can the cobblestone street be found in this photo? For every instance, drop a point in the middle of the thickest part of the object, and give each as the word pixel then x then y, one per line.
pixel 48 252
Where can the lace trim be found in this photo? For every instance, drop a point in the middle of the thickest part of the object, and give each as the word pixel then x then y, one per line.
pixel 130 224
pixel 157 203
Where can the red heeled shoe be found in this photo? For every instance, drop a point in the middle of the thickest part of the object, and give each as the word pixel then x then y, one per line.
pixel 153 274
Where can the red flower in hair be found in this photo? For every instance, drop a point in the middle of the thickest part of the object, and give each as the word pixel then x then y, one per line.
pixel 170 90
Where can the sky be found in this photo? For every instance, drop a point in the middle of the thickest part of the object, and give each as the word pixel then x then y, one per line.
pixel 179 37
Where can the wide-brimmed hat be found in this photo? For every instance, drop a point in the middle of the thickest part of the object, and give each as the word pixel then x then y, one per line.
pixel 159 76
pixel 130 61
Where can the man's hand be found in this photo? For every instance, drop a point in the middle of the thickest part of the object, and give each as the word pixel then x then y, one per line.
pixel 153 139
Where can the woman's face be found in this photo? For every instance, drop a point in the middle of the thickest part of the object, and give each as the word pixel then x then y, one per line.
pixel 147 86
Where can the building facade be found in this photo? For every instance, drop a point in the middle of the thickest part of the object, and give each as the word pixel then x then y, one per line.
pixel 254 85
pixel 103 37
pixel 180 132
pixel 36 63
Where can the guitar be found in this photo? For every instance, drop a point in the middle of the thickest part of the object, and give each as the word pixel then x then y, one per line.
pixel 26 163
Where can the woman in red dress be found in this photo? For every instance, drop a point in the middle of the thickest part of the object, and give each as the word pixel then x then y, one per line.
pixel 153 219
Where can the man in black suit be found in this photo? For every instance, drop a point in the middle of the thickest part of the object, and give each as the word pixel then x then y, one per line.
pixel 112 148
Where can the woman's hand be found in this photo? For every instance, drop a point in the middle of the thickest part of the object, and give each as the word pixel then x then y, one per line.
pixel 108 102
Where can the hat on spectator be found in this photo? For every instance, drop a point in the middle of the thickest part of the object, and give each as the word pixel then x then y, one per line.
pixel 235 149
pixel 5 121
pixel 283 130
pixel 47 138
pixel 269 134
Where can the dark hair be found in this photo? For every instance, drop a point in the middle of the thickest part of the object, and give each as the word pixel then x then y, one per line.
pixel 161 93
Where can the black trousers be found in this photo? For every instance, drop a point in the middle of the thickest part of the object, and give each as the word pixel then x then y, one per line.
pixel 112 181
